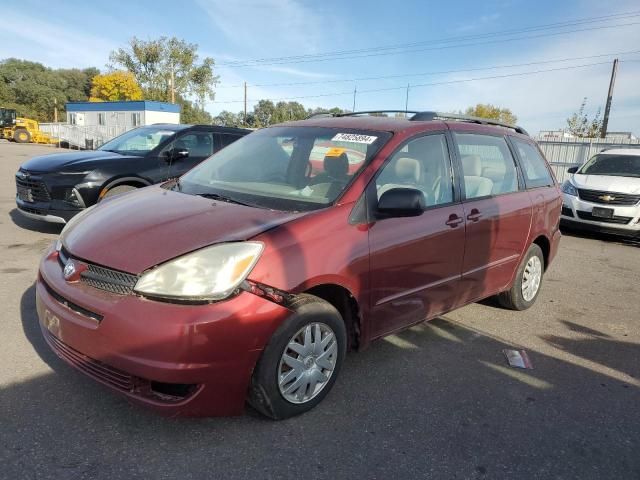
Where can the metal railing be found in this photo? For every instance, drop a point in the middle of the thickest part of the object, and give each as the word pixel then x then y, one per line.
pixel 81 136
pixel 564 153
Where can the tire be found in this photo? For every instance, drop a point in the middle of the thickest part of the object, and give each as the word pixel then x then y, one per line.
pixel 117 190
pixel 517 298
pixel 266 394
pixel 22 136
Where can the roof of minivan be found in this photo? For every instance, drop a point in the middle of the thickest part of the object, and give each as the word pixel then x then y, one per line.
pixel 388 124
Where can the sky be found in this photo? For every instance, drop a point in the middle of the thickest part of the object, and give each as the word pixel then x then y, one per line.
pixel 76 33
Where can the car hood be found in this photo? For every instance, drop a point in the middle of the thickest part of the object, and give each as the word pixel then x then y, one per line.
pixel 138 230
pixel 71 161
pixel 607 183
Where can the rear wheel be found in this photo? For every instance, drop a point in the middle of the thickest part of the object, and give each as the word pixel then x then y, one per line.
pixel 118 190
pixel 526 287
pixel 22 136
pixel 301 362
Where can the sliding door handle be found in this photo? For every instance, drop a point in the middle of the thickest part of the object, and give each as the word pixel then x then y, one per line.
pixel 454 220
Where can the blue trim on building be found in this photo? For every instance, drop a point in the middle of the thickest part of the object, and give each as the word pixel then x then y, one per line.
pixel 132 106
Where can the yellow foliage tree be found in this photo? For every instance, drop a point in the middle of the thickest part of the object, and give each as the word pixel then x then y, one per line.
pixel 115 86
pixel 490 111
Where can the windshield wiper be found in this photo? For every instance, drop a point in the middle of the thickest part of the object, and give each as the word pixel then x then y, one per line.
pixel 222 198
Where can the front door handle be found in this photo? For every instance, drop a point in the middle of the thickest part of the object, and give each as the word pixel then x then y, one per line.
pixel 454 220
pixel 474 216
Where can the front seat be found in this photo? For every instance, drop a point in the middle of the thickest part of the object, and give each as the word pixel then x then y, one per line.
pixel 475 185
pixel 336 169
pixel 407 175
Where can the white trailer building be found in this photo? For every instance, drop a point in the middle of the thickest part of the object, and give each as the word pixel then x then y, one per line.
pixel 123 115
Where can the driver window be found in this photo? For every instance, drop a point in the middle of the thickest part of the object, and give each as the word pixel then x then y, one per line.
pixel 198 144
pixel 423 164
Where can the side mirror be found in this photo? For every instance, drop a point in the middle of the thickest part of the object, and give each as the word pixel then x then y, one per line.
pixel 401 202
pixel 182 153
pixel 572 169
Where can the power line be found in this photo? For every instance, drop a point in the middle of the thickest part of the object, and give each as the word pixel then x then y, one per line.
pixel 436 44
pixel 423 74
pixel 446 82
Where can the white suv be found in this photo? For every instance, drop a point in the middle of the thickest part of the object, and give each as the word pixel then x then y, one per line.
pixel 604 193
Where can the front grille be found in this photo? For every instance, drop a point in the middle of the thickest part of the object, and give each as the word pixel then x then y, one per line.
pixel 110 280
pixel 37 188
pixel 103 278
pixel 609 198
pixel 94 368
pixel 567 212
pixel 614 219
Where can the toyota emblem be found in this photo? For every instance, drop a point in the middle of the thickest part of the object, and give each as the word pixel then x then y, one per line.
pixel 69 270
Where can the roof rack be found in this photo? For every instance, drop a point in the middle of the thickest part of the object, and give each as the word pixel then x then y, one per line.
pixel 430 116
pixel 418 116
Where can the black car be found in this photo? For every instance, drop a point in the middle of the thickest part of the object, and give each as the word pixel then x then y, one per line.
pixel 55 187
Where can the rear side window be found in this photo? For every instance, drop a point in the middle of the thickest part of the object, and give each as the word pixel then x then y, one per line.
pixel 227 139
pixel 487 165
pixel 534 167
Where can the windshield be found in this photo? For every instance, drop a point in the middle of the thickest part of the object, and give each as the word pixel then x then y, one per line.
pixel 613 165
pixel 138 141
pixel 286 168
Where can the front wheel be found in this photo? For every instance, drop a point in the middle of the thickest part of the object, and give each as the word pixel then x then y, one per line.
pixel 526 286
pixel 22 136
pixel 301 362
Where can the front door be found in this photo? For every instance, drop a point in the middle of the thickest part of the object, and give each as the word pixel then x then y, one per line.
pixel 497 210
pixel 416 262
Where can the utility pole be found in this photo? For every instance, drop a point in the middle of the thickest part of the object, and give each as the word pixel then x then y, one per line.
pixel 245 104
pixel 406 102
pixel 607 108
pixel 355 90
pixel 55 110
pixel 173 88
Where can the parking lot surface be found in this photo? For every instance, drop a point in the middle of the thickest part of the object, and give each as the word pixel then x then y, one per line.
pixel 436 401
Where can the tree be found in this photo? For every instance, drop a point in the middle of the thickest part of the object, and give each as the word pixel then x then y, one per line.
pixel 229 119
pixel 115 86
pixel 579 124
pixel 168 65
pixel 33 89
pixel 193 114
pixel 490 111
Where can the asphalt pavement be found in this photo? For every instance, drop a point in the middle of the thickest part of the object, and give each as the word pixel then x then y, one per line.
pixel 436 401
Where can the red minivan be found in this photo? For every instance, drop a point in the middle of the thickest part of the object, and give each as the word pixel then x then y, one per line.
pixel 250 277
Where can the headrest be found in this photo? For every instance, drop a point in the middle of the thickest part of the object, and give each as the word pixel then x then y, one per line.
pixel 472 166
pixel 336 166
pixel 408 169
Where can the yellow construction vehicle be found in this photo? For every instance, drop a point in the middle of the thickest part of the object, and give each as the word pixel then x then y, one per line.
pixel 21 130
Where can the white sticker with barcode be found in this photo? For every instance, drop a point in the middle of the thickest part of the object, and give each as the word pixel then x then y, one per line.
pixel 354 138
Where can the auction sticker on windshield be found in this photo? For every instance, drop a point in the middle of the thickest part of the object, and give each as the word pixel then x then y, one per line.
pixel 354 138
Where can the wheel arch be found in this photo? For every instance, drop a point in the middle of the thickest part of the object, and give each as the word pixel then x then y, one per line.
pixel 346 303
pixel 134 181
pixel 545 245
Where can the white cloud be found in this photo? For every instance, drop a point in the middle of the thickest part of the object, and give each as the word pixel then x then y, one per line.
pixel 54 44
pixel 267 26
pixel 545 100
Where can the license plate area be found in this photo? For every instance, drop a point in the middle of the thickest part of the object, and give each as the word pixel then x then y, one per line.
pixel 25 194
pixel 600 212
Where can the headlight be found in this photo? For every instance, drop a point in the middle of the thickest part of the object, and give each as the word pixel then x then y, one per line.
pixel 569 189
pixel 212 273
